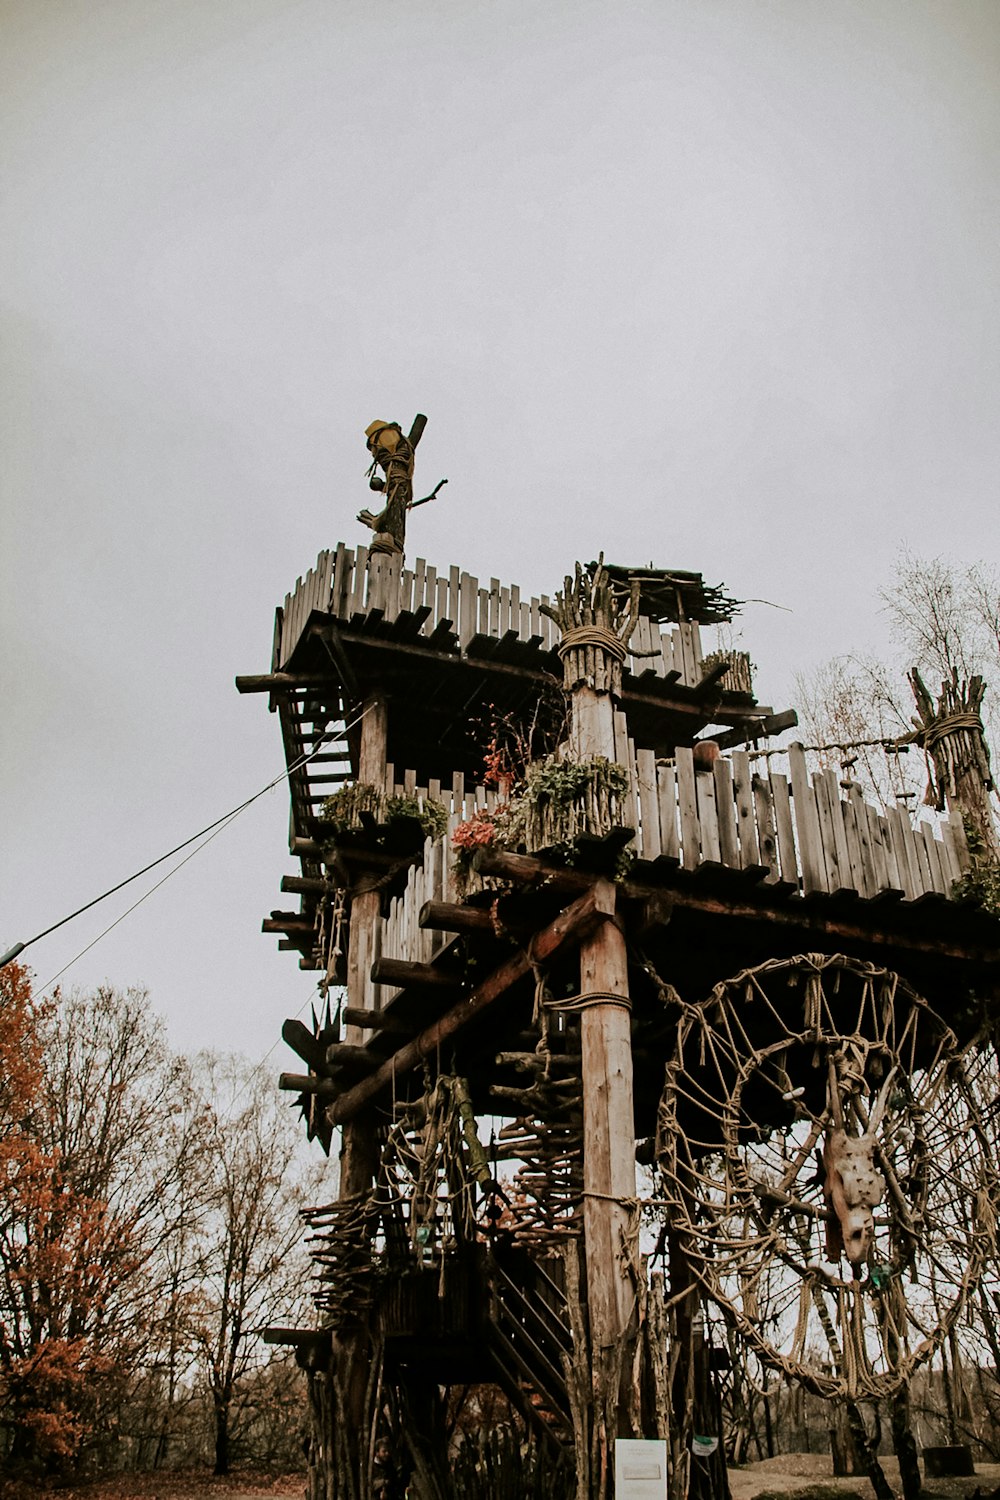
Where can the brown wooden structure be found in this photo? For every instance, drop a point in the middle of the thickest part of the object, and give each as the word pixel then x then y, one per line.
pixel 496 1061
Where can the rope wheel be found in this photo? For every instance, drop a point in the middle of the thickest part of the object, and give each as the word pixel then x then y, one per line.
pixel 826 1168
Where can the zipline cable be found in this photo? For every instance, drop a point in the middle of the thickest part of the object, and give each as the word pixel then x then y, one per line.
pixel 216 826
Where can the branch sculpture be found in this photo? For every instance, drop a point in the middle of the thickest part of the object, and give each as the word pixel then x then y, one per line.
pixel 950 732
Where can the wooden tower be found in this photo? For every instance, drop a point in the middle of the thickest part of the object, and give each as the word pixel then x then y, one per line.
pixel 534 851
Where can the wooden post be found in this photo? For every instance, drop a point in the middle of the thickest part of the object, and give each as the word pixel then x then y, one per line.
pixel 365 907
pixel 593 646
pixel 359 1150
pixel 606 1041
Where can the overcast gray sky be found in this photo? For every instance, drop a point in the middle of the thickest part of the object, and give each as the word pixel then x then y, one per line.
pixel 703 283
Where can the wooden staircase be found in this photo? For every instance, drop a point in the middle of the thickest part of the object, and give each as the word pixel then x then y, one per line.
pixel 528 1336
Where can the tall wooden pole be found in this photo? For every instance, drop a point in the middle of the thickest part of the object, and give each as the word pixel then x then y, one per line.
pixel 359 1150
pixel 357 1160
pixel 606 1042
pixel 351 1350
pixel 595 628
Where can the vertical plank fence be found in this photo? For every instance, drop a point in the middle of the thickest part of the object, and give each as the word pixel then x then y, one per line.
pixel 340 585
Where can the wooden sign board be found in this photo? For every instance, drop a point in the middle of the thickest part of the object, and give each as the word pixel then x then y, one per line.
pixel 640 1469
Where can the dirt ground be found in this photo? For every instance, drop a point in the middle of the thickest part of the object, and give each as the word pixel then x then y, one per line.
pixel 809 1476
pixel 172 1484
pixel 791 1476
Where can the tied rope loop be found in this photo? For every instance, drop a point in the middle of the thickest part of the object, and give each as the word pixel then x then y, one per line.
pixel 941 728
pixel 575 1003
pixel 592 635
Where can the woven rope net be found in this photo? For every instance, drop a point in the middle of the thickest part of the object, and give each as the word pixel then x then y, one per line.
pixel 824 1146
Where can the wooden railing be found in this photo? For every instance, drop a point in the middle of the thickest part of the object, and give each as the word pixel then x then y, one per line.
pixel 808 833
pixel 340 585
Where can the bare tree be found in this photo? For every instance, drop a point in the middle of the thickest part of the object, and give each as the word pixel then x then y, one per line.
pixel 851 709
pixel 253 1268
pixel 945 619
pixel 945 616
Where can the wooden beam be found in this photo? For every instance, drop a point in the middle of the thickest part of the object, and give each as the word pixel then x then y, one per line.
pixel 347 1054
pixel 804 913
pixel 450 916
pixel 306 885
pixel 295 1336
pixel 609 1182
pixel 296 1034
pixel 376 1020
pixel 293 926
pixel 283 682
pixel 526 868
pixel 403 972
pixel 711 679
pixel 306 1083
pixel 375 859
pixel 685 705
pixel 304 849
pixel 570 926
pixel 772 724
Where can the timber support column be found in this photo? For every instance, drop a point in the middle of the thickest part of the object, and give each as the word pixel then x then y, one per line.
pixel 596 624
pixel 350 1362
pixel 357 1160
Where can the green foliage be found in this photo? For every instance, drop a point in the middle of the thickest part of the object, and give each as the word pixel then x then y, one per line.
pixel 353 806
pixel 562 782
pixel 431 816
pixel 981 884
pixel 562 800
pixel 558 807
pixel 350 805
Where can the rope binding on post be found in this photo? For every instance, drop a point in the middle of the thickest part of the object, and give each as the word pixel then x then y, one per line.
pixel 575 1003
pixel 592 635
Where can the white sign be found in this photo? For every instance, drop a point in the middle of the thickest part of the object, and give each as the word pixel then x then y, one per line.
pixel 640 1469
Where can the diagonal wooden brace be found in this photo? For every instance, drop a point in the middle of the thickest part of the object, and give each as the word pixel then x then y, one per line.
pixel 575 922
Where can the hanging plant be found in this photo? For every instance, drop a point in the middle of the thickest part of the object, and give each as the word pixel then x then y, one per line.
pixel 431 815
pixel 564 800
pixel 362 805
pixel 352 806
pixel 558 804
pixel 476 832
pixel 481 831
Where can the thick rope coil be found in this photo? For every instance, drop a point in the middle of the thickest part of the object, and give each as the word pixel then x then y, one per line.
pixel 575 1003
pixel 593 635
pixel 940 729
